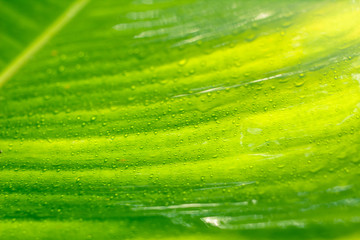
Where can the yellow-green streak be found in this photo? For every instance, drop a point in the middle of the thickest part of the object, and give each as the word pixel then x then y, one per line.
pixel 39 42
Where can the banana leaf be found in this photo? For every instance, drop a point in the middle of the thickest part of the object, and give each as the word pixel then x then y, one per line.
pixel 179 119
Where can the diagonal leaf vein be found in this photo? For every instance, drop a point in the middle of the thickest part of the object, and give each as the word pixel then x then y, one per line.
pixel 41 40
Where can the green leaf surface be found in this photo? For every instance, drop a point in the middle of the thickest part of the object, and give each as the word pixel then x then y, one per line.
pixel 192 119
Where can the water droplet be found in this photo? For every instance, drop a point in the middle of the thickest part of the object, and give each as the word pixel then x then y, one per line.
pixel 182 62
pixel 299 83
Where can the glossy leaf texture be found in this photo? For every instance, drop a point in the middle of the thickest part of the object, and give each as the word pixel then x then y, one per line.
pixel 191 119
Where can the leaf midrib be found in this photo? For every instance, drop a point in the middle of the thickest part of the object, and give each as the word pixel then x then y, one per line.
pixel 14 66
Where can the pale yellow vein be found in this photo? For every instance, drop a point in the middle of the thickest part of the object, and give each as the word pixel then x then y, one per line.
pixel 40 41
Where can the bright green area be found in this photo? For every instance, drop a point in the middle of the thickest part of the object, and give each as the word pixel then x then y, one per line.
pixel 159 119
